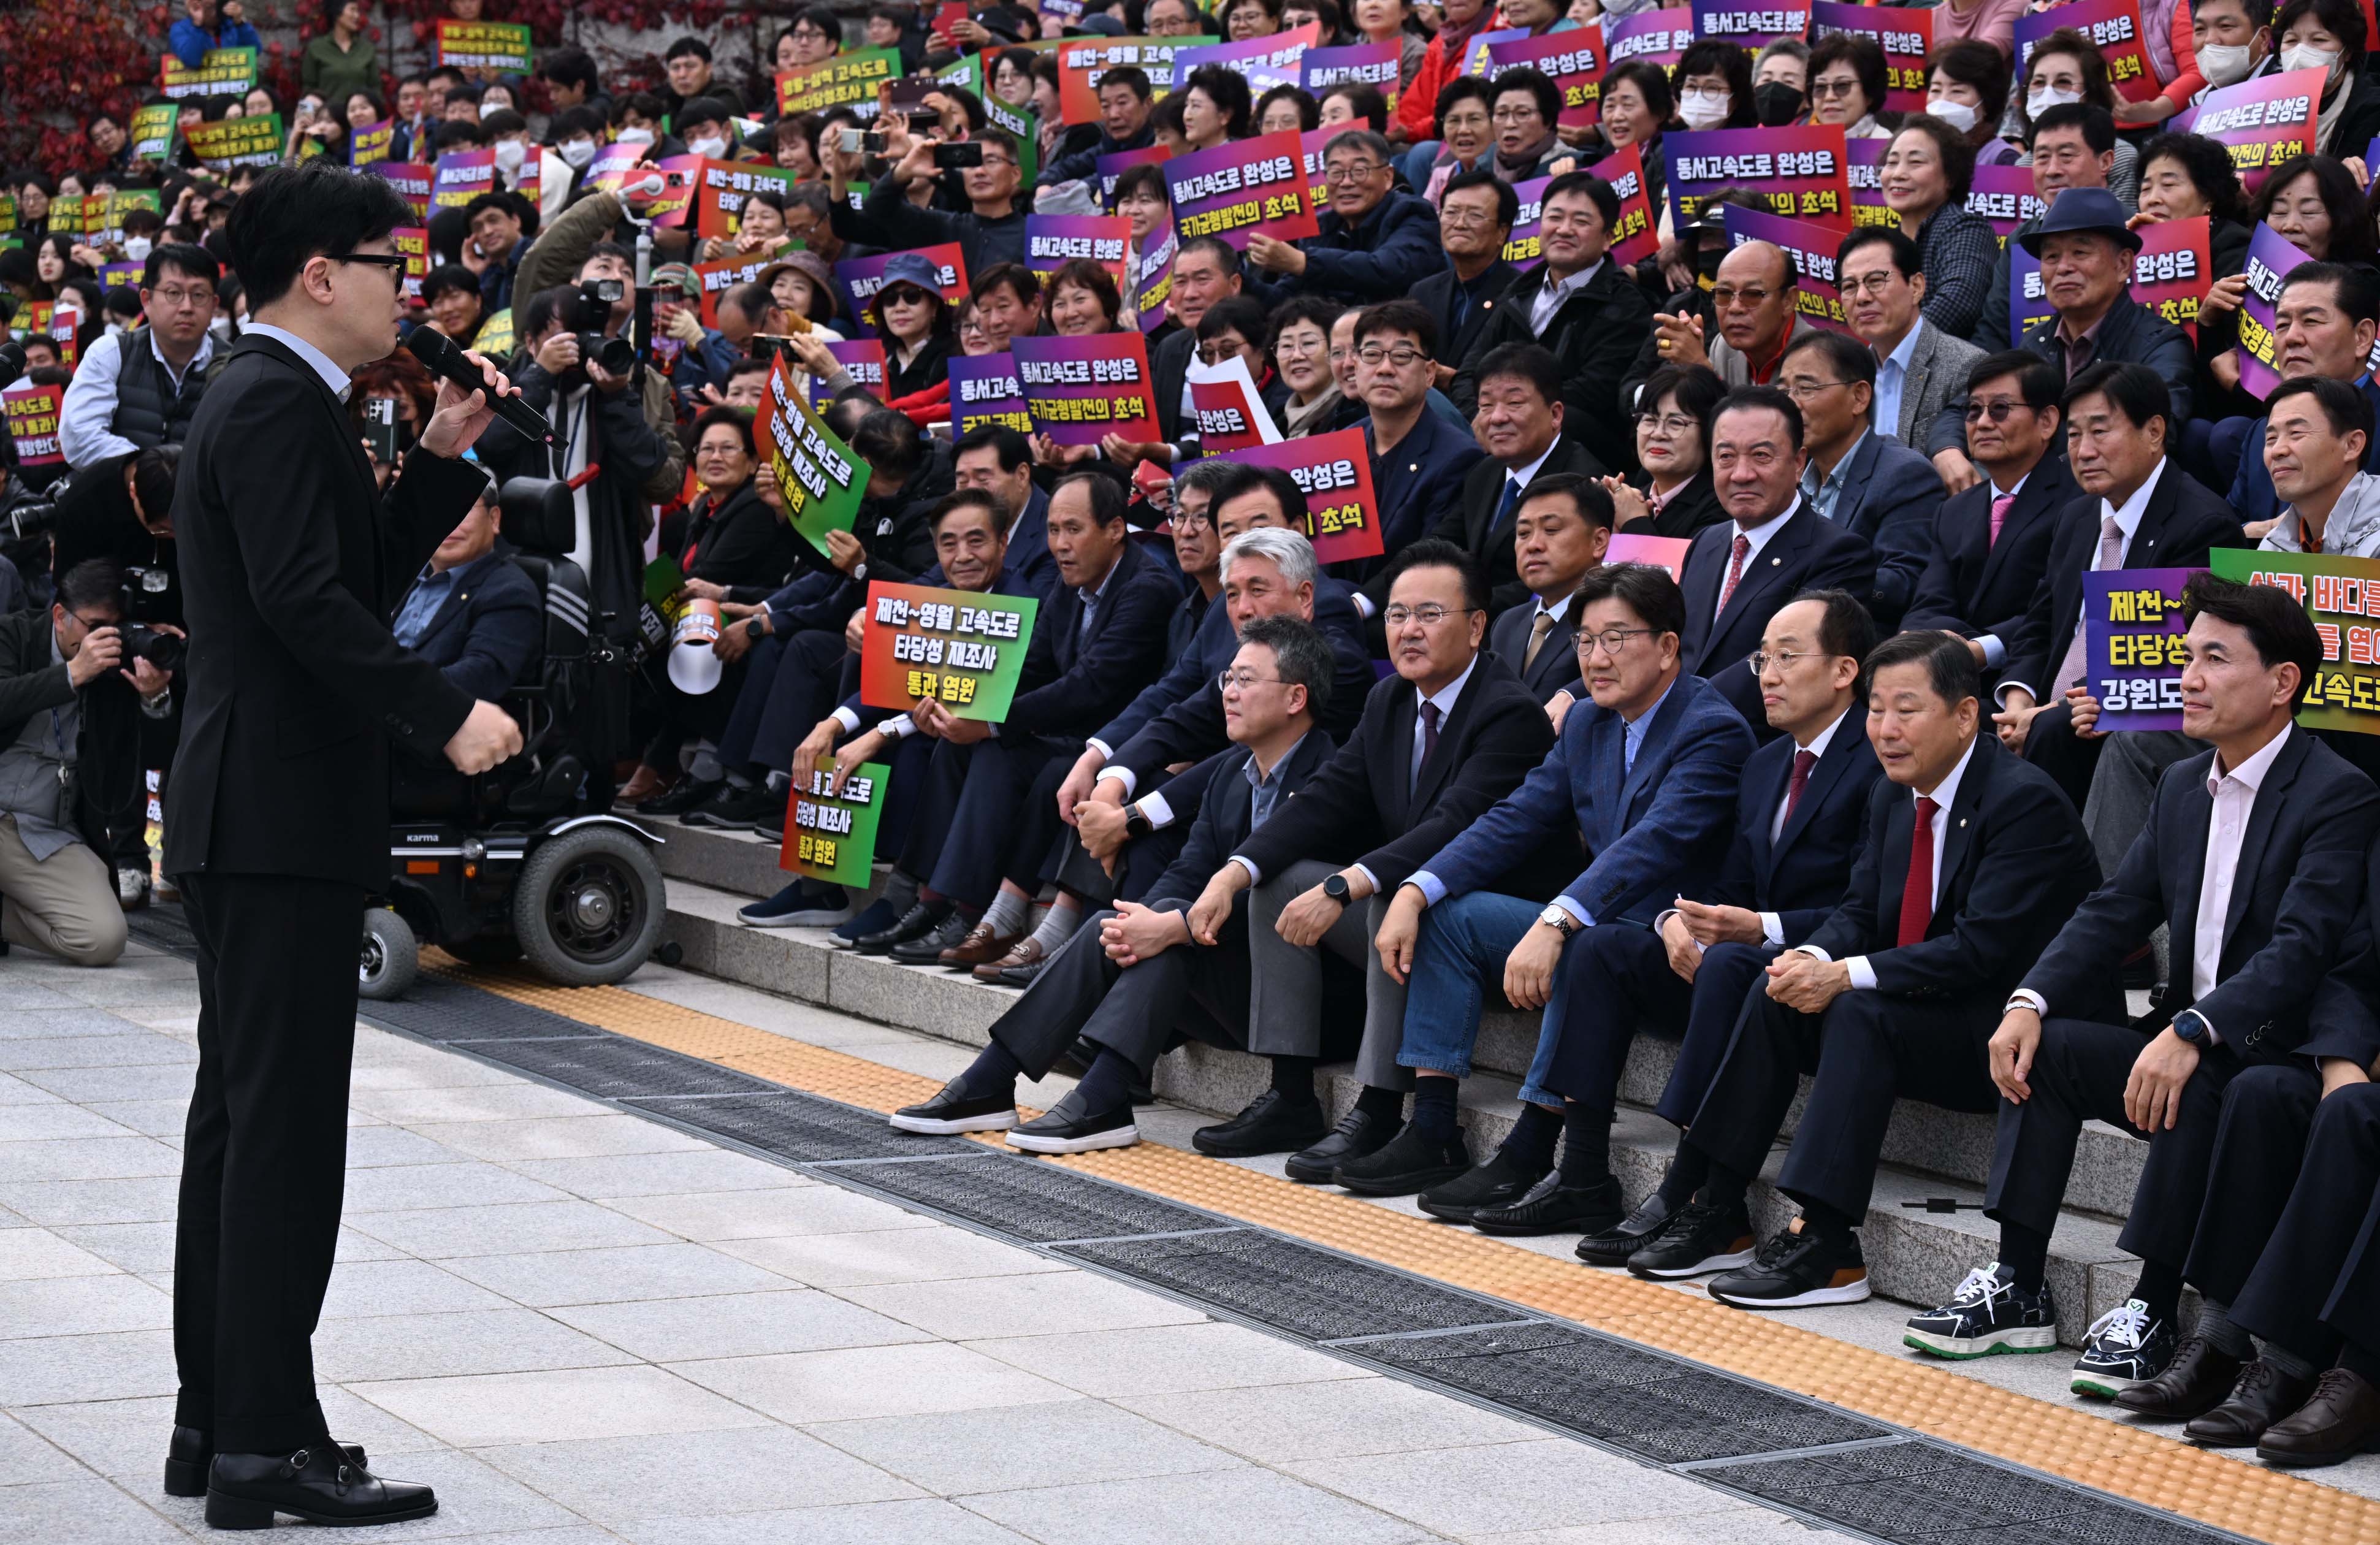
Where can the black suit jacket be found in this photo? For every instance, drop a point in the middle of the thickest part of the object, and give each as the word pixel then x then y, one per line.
pixel 1595 335
pixel 1557 661
pixel 487 628
pixel 2015 863
pixel 1436 294
pixel 2183 520
pixel 1473 527
pixel 1800 875
pixel 1689 510
pixel 1073 686
pixel 1974 585
pixel 1810 553
pixel 291 566
pixel 1361 803
pixel 1169 368
pixel 1225 817
pixel 2294 893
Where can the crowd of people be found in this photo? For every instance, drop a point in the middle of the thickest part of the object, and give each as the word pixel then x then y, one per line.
pixel 1828 795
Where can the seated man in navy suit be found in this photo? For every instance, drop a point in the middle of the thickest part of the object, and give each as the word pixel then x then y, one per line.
pixel 1772 547
pixel 473 613
pixel 1644 779
pixel 2322 324
pixel 1866 482
pixel 1801 816
pixel 1559 532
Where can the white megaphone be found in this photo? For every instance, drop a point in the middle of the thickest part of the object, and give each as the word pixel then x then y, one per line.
pixel 693 664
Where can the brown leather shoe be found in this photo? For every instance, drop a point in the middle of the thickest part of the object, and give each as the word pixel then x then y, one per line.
pixel 979 946
pixel 646 785
pixel 2341 1420
pixel 2262 1397
pixel 2196 1383
pixel 1026 952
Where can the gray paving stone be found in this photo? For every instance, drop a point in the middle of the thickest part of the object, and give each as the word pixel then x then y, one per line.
pixel 761 1214
pixel 1749 1526
pixel 650 1174
pixel 957 1452
pixel 35 1254
pixel 741 1325
pixel 439 1233
pixel 871 1381
pixel 23 989
pixel 577 1137
pixel 136 1049
pixel 465 1183
pixel 447 1346
pixel 1169 1359
pixel 1282 1423
pixel 1543 1483
pixel 556 1405
pixel 16 1092
pixel 1025 1306
pixel 155 1118
pixel 1231 1507
pixel 115 1366
pixel 25 1456
pixel 618 1480
pixel 104 1156
pixel 371 1148
pixel 903 1256
pixel 56 1202
pixel 31 1023
pixel 546 1279
pixel 369 1289
pixel 53 1119
pixel 137 1081
pixel 511 1102
pixel 81 1306
pixel 131 1246
pixel 83 1509
pixel 916 1523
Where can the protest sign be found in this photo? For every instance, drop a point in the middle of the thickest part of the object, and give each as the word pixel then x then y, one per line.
pixel 1754 25
pixel 463 176
pixel 609 171
pixel 1278 59
pixel 413 242
pixel 722 190
pixel 984 390
pixel 1475 60
pixel 1079 390
pixel 2342 596
pixel 862 278
pixel 1669 552
pixel 964 649
pixel 1334 471
pixel 2171 276
pixel 1376 65
pixel 831 837
pixel 2113 27
pixel 1310 145
pixel 496 338
pixel 32 413
pixel 1635 236
pixel 2262 122
pixel 718 278
pixel 1232 414
pixel 1148 283
pixel 371 142
pixel 1025 126
pixel 1083 61
pixel 845 81
pixel 1574 62
pixel 103 212
pixel 1051 240
pixel 2003 196
pixel 492 47
pixel 1525 247
pixel 114 273
pixel 1800 172
pixel 1812 248
pixel 2271 256
pixel 221 72
pixel 2132 646
pixel 822 479
pixel 156 130
pixel 1904 32
pixel 678 174
pixel 1863 168
pixel 1241 187
pixel 1109 167
pixel 864 359
pixel 413 180
pixel 1662 37
pixel 228 143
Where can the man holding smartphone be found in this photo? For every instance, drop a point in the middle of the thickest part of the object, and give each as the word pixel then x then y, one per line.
pixel 990 231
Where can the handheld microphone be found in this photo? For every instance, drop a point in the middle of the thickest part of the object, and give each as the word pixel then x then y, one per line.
pixel 445 361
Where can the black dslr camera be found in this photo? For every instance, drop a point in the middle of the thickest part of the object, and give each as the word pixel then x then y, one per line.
pixel 596 299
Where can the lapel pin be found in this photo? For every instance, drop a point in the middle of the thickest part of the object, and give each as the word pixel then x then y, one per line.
pixel 1775 562
pixel 1962 820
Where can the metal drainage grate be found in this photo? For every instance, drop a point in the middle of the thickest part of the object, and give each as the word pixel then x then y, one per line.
pixel 1640 1402
pixel 1926 1493
pixel 162 926
pixel 1026 1199
pixel 437 1009
pixel 800 1128
pixel 612 1068
pixel 1294 1287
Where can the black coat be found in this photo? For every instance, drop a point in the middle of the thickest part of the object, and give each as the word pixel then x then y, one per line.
pixel 1556 663
pixel 1974 585
pixel 1688 511
pixel 96 520
pixel 1472 524
pixel 1071 685
pixel 294 686
pixel 1436 295
pixel 1800 875
pixel 1225 820
pixel 1596 335
pixel 1810 553
pixel 1394 249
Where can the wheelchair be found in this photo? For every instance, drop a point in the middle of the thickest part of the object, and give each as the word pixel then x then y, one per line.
pixel 525 862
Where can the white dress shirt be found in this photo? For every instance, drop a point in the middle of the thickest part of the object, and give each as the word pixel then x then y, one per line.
pixel 2128 518
pixel 87 417
pixel 1891 378
pixel 1758 536
pixel 322 363
pixel 1944 794
pixel 1772 927
pixel 1525 475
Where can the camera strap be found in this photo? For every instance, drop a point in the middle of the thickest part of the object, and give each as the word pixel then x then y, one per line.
pixel 594 470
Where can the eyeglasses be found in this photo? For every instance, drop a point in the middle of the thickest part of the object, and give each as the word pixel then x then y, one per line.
pixel 1403 356
pixel 1611 640
pixel 1783 660
pixel 1727 298
pixel 177 297
pixel 1823 88
pixel 1352 173
pixel 1517 114
pixel 1215 354
pixel 1874 284
pixel 1185 522
pixel 391 262
pixel 1802 390
pixel 1430 614
pixel 1243 680
pixel 1669 426
pixel 1996 410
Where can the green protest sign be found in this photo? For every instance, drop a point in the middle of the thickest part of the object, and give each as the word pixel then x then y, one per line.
pixel 2342 596
pixel 156 131
pixel 831 837
pixel 822 481
pixel 964 649
pixel 221 72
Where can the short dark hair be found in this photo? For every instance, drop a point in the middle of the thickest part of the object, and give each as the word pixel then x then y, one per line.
pixel 92 582
pixel 1107 494
pixel 2358 290
pixel 1599 192
pixel 889 441
pixel 2342 19
pixel 1652 82
pixel 188 259
pixel 2352 239
pixel 1643 589
pixel 1438 553
pixel 2274 620
pixel 293 214
pixel 2344 405
pixel 1243 314
pixel 737 419
pixel 1013 277
pixel 570 67
pixel 1322 311
pixel 2040 383
pixel 1524 361
pixel 1864 55
pixel 1131 76
pixel 2207 164
pixel 1587 495
pixel 2097 125
pixel 978 498
pixel 1744 399
pixel 1536 82
pixel 1699 389
pixel 1906 257
pixel 1013 449
pixel 1845 628
pixel 1457 89
pixel 1300 653
pixel 1409 317
pixel 448 277
pixel 152 478
pixel 1228 90
pixel 686 46
pixel 1508 203
pixel 1245 478
pixel 1309 112
pixel 1364 101
pixel 2138 392
pixel 1222 251
pixel 1950 668
pixel 1846 356
pixel 1977 64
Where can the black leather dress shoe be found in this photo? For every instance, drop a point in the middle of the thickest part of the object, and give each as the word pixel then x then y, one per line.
pixel 1273 1123
pixel 2263 1396
pixel 1553 1207
pixel 1406 1164
pixel 682 798
pixel 1498 1183
pixel 920 919
pixel 2341 1420
pixel 927 947
pixel 321 1484
pixel 954 1110
pixel 2193 1385
pixel 191 1450
pixel 1613 1246
pixel 1357 1133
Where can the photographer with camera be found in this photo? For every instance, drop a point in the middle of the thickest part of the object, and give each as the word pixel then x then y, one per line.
pixel 59 897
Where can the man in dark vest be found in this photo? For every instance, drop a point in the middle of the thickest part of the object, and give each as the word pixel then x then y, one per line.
pixel 138 390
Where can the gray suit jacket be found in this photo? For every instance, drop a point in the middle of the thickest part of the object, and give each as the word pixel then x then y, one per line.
pixel 1937 374
pixel 1732 367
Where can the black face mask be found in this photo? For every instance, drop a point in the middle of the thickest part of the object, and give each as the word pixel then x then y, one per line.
pixel 1776 104
pixel 1707 261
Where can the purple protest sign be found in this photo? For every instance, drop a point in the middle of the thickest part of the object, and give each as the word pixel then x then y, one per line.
pixel 1754 26
pixel 1525 248
pixel 1081 390
pixel 1812 248
pixel 984 390
pixel 1109 167
pixel 862 278
pixel 1574 60
pixel 2133 644
pixel 863 358
pixel 2113 27
pixel 1661 36
pixel 1864 164
pixel 1906 35
pixel 409 178
pixel 614 162
pixel 1267 62
pixel 1475 55
pixel 462 177
pixel 2271 257
pixel 1242 188
pixel 2003 196
pixel 2263 122
pixel 1376 65
pixel 2170 276
pixel 1051 240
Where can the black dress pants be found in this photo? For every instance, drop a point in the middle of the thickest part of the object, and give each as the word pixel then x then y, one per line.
pixel 1189 990
pixel 264 1153
pixel 2051 745
pixel 2260 1145
pixel 1620 982
pixel 2315 1281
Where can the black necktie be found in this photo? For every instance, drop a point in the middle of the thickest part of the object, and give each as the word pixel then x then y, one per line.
pixel 1429 738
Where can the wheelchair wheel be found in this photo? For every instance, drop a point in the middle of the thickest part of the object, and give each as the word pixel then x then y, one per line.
pixel 391 956
pixel 589 906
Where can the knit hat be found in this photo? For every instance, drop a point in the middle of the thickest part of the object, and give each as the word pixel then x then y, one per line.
pixel 679 277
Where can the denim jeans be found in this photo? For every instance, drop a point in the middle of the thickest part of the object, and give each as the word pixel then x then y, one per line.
pixel 1463 943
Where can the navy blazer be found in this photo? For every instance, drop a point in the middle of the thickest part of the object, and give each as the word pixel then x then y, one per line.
pixel 1810 553
pixel 1649 833
pixel 1556 668
pixel 1456 333
pixel 2015 863
pixel 1975 586
pixel 1225 819
pixel 1197 660
pixel 2294 893
pixel 1074 685
pixel 2251 490
pixel 1028 545
pixel 1471 522
pixel 483 634
pixel 1417 487
pixel 1890 497
pixel 1801 876
pixel 1395 247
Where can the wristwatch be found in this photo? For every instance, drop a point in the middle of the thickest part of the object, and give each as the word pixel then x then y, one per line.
pixel 1137 823
pixel 1334 885
pixel 1557 916
pixel 2190 1028
pixel 859 572
pixel 755 630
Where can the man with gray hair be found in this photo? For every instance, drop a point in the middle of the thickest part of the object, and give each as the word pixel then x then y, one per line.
pixel 1376 244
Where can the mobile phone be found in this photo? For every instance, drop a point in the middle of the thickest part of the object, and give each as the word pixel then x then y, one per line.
pixel 873 142
pixel 924 120
pixel 968 153
pixel 380 429
pixel 849 140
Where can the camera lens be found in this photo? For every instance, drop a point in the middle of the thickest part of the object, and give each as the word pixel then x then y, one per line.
pixel 617 356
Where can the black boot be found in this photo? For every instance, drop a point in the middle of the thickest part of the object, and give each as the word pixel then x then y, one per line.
pixel 321 1484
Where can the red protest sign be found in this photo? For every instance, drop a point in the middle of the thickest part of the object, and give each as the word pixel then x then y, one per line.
pixel 32 413
pixel 719 277
pixel 2174 269
pixel 1082 62
pixel 1574 60
pixel 1243 187
pixel 1232 414
pixel 1081 390
pixel 1335 471
pixel 722 189
pixel 2113 27
pixel 1634 238
pixel 1800 172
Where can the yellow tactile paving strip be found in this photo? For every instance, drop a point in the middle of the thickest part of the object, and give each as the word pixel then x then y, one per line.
pixel 2112 1457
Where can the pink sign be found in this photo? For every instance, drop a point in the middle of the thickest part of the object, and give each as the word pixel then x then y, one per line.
pixel 1051 240
pixel 1634 237
pixel 1335 471
pixel 2113 27
pixel 1241 189
pixel 462 177
pixel 2263 122
pixel 1231 416
pixel 1801 171
pixel 413 182
pixel 1668 553
pixel 1079 391
pixel 1574 60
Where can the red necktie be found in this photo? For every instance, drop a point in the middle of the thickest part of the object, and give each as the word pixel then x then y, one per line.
pixel 1735 570
pixel 1917 891
pixel 1802 762
pixel 2000 503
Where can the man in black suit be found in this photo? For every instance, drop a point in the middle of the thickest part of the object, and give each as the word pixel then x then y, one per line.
pixel 1772 547
pixel 2138 510
pixel 2253 858
pixel 1861 479
pixel 1991 541
pixel 1801 817
pixel 1560 531
pixel 1421 463
pixel 1137 973
pixel 1970 864
pixel 1452 733
pixel 473 613
pixel 277 815
pixel 1475 211
pixel 1519 422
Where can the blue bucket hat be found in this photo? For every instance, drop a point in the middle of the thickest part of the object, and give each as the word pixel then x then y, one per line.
pixel 2083 209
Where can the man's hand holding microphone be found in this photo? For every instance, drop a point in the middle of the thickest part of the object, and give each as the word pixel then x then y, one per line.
pixel 488 736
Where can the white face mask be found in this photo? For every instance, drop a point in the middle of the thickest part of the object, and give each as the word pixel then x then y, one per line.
pixel 2307 56
pixel 2224 64
pixel 1958 114
pixel 1704 109
pixel 636 137
pixel 135 247
pixel 710 147
pixel 509 154
pixel 577 153
pixel 2043 101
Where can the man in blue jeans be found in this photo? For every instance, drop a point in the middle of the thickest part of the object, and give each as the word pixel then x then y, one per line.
pixel 1643 780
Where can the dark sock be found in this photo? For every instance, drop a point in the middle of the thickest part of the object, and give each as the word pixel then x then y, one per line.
pixel 2025 1252
pixel 1433 1113
pixel 994 1072
pixel 1818 1218
pixel 1586 1144
pixel 2160 1289
pixel 1381 1104
pixel 2356 1360
pixel 2283 1361
pixel 1531 1144
pixel 1292 1077
pixel 1107 1084
pixel 2214 1324
pixel 1688 1171
pixel 1725 1189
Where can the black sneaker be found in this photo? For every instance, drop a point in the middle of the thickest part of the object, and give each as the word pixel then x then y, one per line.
pixel 1700 1238
pixel 1795 1271
pixel 1273 1123
pixel 1553 1207
pixel 1987 1313
pixel 1065 1127
pixel 1406 1164
pixel 735 809
pixel 1500 1181
pixel 1613 1246
pixel 920 919
pixel 2127 1346
pixel 954 1111
pixel 1357 1133
pixel 874 917
pixel 800 904
pixel 686 795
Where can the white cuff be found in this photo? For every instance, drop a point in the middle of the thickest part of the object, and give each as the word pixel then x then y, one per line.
pixel 1432 889
pixel 1160 813
pixel 847 718
pixel 2034 1001
pixel 1255 876
pixel 1120 775
pixel 1862 974
pixel 1772 931
pixel 1995 652
pixel 1101 747
pixel 897 727
pixel 1999 693
pixel 1369 878
pixel 1363 603
pixel 1585 918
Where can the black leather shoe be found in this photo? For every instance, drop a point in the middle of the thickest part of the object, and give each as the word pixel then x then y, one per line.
pixel 1358 1133
pixel 1273 1123
pixel 2193 1385
pixel 953 1109
pixel 1069 1126
pixel 1613 1246
pixel 2262 1397
pixel 682 798
pixel 191 1450
pixel 2341 1420
pixel 1021 975
pixel 1406 1164
pixel 1498 1183
pixel 1553 1207
pixel 321 1484
pixel 927 947
pixel 922 918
